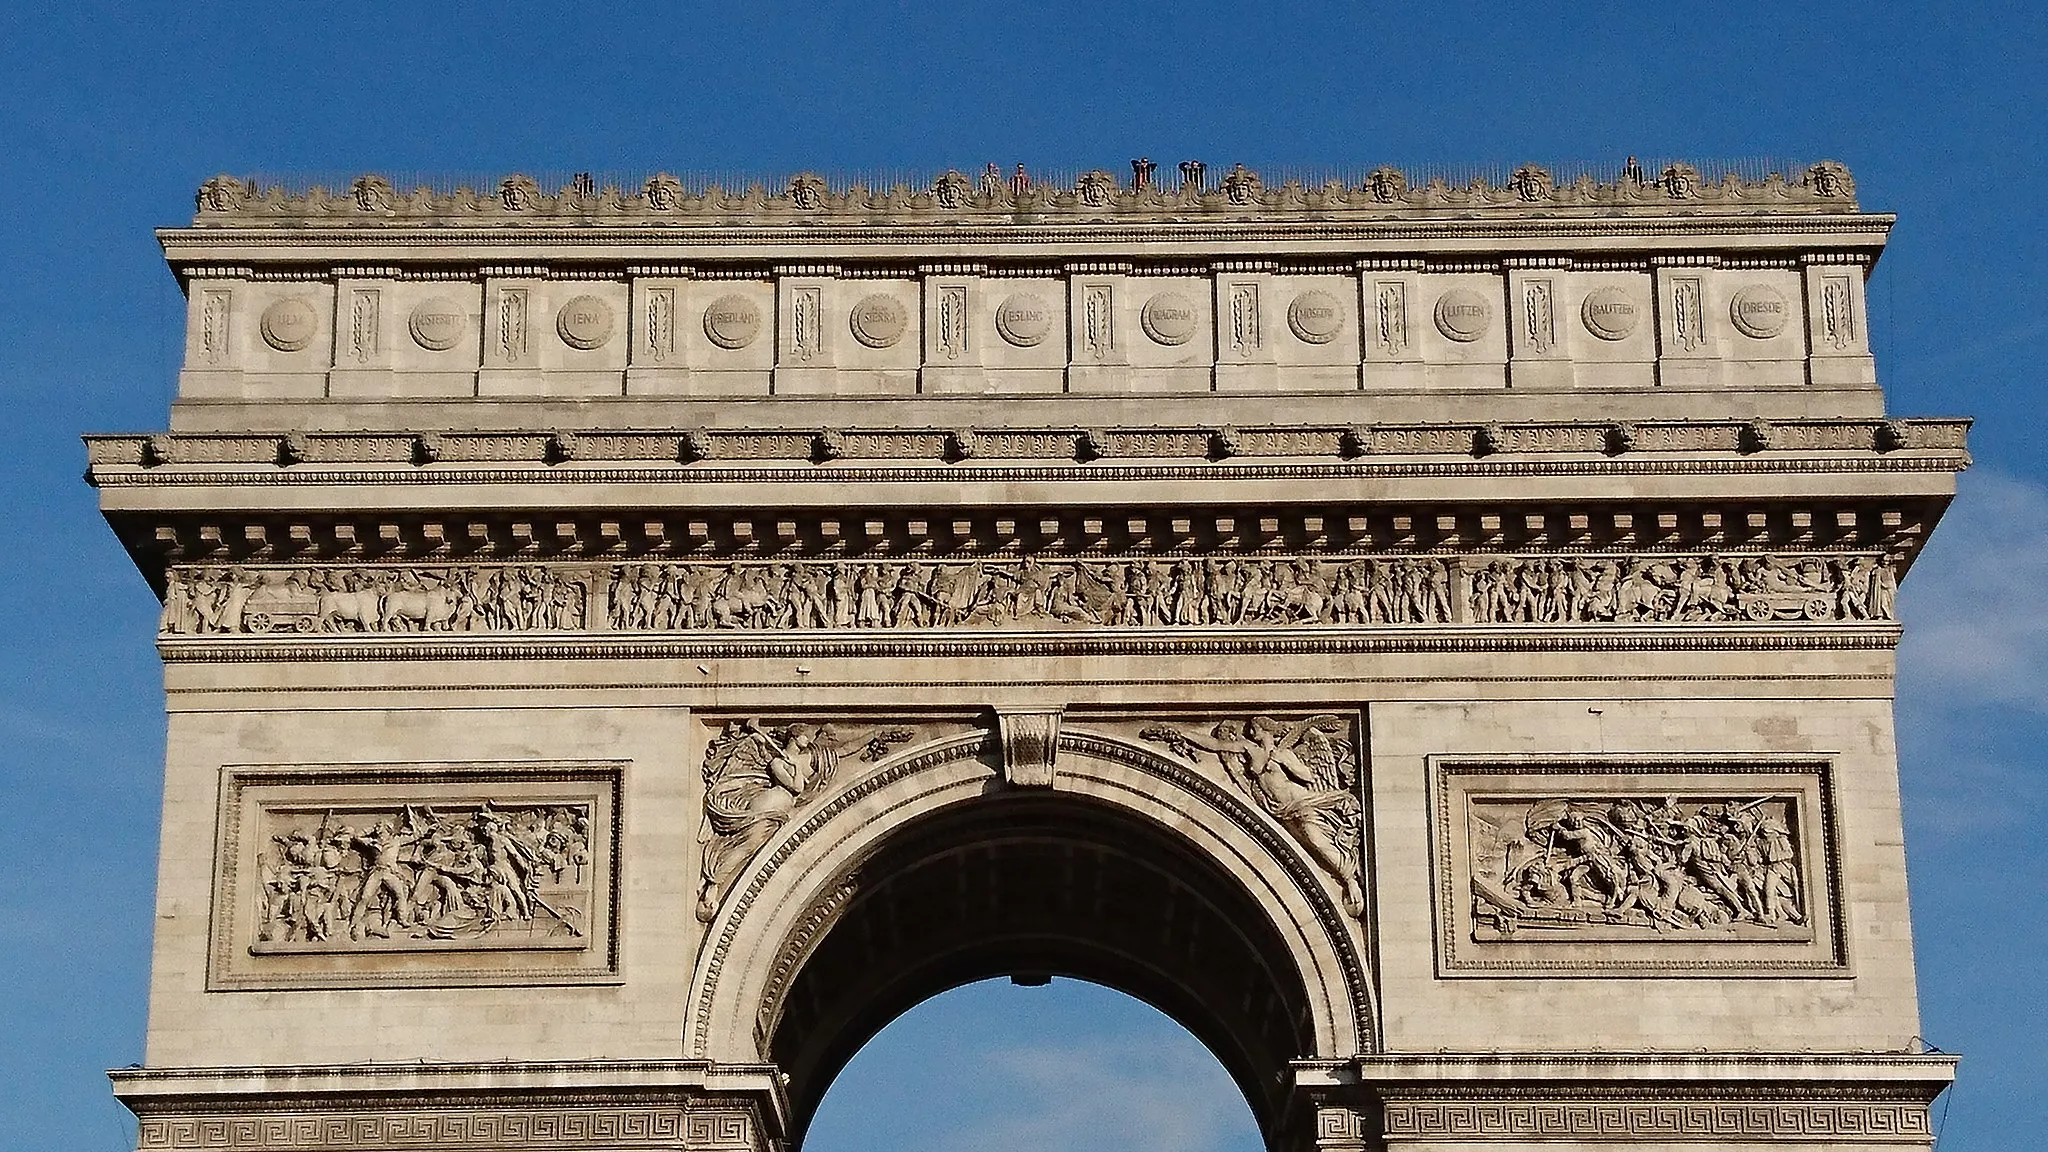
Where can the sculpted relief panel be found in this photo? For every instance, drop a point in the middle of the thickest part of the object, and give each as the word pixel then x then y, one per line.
pixel 1303 773
pixel 1028 593
pixel 1669 866
pixel 757 776
pixel 350 875
pixel 421 877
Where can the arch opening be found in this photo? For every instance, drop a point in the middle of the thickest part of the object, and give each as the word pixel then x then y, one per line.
pixel 1068 1065
pixel 1037 884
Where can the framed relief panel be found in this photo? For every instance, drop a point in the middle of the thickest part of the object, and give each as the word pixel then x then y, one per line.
pixel 1622 865
pixel 363 875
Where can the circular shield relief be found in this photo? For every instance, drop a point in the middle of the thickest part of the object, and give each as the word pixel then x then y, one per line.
pixel 1609 313
pixel 585 322
pixel 289 324
pixel 1759 311
pixel 437 324
pixel 878 321
pixel 1024 320
pixel 732 322
pixel 1315 317
pixel 1168 318
pixel 1463 315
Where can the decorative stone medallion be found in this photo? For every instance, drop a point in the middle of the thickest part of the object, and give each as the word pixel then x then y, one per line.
pixel 1024 320
pixel 732 322
pixel 1168 318
pixel 879 321
pixel 437 324
pixel 1759 311
pixel 289 324
pixel 1609 313
pixel 585 322
pixel 1463 315
pixel 1315 317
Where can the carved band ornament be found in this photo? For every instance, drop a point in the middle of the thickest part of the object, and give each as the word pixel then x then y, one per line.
pixel 1530 189
pixel 1031 594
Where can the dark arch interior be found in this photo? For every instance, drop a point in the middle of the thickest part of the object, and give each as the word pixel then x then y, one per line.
pixel 1037 884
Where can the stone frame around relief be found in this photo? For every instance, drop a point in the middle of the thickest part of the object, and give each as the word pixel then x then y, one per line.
pixel 1804 782
pixel 252 796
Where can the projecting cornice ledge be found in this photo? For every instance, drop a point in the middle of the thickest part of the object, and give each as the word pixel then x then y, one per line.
pixel 710 455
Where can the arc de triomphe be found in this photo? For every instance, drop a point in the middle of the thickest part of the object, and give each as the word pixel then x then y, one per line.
pixel 624 646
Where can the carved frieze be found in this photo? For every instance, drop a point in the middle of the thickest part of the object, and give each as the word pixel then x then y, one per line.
pixel 1032 594
pixel 357 875
pixel 1599 864
pixel 665 199
pixel 1302 772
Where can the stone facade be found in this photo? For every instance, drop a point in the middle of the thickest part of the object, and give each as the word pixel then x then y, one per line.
pixel 624 646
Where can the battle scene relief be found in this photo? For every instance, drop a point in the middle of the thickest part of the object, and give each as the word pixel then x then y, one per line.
pixel 1622 868
pixel 424 876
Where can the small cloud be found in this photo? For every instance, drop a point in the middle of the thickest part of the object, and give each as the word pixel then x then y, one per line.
pixel 1973 664
pixel 1976 629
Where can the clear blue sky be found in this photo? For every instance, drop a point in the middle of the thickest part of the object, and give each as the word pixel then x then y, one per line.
pixel 111 114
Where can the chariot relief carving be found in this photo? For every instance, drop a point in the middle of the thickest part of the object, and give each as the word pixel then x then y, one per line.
pixel 757 776
pixel 1303 773
pixel 1161 592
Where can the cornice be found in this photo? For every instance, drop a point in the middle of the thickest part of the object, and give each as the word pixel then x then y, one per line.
pixel 1795 1073
pixel 185 247
pixel 710 454
pixel 1178 643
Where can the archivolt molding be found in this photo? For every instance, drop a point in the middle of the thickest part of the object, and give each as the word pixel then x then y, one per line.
pixel 770 921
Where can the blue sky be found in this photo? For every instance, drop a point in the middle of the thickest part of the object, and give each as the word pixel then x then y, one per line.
pixel 111 114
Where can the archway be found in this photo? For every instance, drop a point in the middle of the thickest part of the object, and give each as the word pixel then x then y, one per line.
pixel 1131 871
pixel 1066 1065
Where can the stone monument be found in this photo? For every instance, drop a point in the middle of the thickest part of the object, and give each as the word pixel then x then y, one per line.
pixel 624 645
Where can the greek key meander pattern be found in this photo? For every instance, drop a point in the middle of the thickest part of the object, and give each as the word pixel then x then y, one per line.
pixel 1161 592
pixel 542 1128
pixel 1703 1120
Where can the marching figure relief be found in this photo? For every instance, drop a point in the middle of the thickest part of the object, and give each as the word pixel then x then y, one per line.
pixel 1029 593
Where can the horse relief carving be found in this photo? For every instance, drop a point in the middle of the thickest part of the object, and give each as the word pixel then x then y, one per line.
pixel 1304 773
pixel 1029 593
